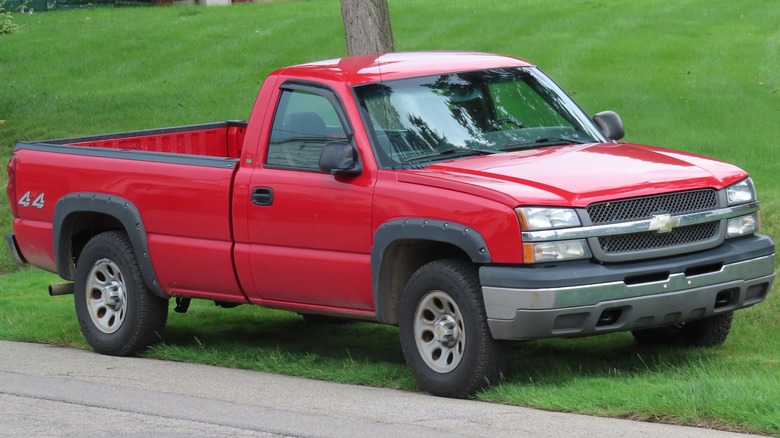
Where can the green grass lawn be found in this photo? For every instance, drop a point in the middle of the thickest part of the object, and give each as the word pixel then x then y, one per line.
pixel 693 75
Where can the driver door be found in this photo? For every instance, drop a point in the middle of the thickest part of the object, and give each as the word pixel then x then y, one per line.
pixel 310 232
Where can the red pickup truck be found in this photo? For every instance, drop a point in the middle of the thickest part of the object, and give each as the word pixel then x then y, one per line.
pixel 463 197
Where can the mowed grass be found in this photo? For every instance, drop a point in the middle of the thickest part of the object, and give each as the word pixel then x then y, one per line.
pixel 693 75
pixel 732 387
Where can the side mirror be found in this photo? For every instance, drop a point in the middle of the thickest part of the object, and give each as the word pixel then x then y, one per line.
pixel 339 158
pixel 610 124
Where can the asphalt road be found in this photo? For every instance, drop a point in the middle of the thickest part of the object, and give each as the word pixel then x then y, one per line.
pixel 52 391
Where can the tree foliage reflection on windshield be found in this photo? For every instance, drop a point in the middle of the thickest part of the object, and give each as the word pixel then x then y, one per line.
pixel 424 119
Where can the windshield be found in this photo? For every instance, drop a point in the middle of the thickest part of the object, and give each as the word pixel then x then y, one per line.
pixel 441 117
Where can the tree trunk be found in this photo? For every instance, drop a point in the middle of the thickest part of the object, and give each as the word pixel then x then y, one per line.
pixel 367 25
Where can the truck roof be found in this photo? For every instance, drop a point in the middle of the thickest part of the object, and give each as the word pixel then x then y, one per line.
pixel 355 70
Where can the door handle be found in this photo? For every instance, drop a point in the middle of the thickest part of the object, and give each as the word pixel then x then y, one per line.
pixel 262 196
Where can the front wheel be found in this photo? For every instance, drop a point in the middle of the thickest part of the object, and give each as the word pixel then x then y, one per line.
pixel 706 332
pixel 118 314
pixel 444 333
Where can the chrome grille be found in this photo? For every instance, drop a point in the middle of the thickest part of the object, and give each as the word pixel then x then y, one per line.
pixel 653 240
pixel 640 245
pixel 645 208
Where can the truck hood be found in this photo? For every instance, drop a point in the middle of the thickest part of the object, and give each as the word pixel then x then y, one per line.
pixel 577 175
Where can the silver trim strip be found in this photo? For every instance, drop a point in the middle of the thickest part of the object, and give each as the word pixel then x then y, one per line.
pixel 640 226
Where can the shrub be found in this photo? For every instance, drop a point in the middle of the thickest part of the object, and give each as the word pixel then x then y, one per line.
pixel 7 23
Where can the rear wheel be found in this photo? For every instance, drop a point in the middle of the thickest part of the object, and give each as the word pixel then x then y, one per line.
pixel 444 332
pixel 706 332
pixel 117 313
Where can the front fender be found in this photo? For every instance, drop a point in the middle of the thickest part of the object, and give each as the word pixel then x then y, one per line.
pixel 387 290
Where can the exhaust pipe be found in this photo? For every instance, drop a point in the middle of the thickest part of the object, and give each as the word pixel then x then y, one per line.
pixel 61 289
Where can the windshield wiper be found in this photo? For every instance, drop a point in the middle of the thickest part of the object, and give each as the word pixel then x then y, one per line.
pixel 542 140
pixel 451 151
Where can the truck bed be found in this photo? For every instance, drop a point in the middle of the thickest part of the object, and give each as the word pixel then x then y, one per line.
pixel 220 139
pixel 179 180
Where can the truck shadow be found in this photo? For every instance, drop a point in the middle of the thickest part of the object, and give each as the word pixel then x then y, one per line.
pixel 370 354
pixel 253 338
pixel 254 331
pixel 558 361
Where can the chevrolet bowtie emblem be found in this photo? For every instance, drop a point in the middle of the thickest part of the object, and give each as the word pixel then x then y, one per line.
pixel 663 223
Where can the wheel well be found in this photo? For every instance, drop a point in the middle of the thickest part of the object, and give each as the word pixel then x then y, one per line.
pixel 77 229
pixel 402 259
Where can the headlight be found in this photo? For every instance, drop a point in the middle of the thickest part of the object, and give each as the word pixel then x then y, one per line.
pixel 741 192
pixel 540 218
pixel 555 251
pixel 549 218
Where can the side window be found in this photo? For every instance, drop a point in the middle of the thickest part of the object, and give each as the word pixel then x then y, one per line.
pixel 303 123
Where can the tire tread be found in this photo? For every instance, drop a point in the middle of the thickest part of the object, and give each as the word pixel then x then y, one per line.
pixel 490 359
pixel 145 323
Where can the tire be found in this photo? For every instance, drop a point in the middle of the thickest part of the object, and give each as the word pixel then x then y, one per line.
pixel 444 333
pixel 709 332
pixel 117 313
pixel 706 332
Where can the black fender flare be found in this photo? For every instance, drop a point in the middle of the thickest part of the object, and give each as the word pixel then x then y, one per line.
pixel 111 205
pixel 470 241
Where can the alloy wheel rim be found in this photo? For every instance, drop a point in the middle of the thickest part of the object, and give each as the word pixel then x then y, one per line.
pixel 106 296
pixel 439 332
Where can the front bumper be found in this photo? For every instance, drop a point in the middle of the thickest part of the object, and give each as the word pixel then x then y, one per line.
pixel 14 248
pixel 582 299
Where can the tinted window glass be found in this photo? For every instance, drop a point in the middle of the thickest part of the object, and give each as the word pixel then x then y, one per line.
pixel 442 117
pixel 303 123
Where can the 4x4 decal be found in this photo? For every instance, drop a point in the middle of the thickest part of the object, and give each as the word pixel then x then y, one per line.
pixel 38 202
